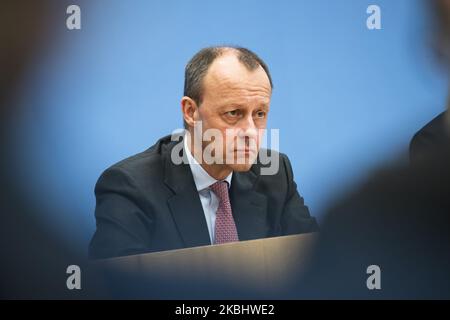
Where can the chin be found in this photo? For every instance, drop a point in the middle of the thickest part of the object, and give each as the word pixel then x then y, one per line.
pixel 242 163
pixel 241 167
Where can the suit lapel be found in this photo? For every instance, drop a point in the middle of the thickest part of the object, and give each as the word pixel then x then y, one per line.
pixel 185 205
pixel 249 207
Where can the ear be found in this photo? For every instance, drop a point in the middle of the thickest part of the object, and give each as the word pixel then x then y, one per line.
pixel 189 110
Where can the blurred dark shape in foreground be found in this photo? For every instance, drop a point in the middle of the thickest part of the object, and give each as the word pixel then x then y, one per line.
pixel 399 220
pixel 33 260
pixel 430 140
pixel 440 10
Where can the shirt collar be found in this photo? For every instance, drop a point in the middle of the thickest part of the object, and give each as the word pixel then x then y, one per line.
pixel 201 178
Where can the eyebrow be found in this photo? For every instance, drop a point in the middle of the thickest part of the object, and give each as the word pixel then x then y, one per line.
pixel 236 105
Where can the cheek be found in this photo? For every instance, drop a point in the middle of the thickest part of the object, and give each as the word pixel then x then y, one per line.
pixel 230 138
pixel 209 116
pixel 260 136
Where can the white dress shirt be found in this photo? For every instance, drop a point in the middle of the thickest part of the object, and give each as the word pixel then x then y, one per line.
pixel 203 180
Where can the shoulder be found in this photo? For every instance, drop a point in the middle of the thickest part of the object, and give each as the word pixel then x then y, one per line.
pixel 144 166
pixel 432 133
pixel 434 126
pixel 272 165
pixel 398 194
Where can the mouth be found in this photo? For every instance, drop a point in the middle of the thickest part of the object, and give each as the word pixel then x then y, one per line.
pixel 245 151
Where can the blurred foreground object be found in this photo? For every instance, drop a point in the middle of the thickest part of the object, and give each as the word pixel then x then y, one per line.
pixel 398 221
pixel 34 261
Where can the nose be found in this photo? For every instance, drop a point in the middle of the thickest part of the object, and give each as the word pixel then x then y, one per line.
pixel 248 130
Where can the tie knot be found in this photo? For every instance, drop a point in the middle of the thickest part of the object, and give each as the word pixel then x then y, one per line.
pixel 220 188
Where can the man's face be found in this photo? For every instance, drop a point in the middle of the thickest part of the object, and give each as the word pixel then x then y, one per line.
pixel 236 103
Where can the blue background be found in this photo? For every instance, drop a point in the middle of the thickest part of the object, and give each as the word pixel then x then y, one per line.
pixel 347 99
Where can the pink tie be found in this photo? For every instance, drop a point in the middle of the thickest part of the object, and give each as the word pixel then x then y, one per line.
pixel 225 229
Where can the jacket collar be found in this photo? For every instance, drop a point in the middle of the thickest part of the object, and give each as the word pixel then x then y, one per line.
pixel 249 207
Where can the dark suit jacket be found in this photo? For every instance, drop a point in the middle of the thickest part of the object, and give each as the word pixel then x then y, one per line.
pixel 147 203
pixel 431 139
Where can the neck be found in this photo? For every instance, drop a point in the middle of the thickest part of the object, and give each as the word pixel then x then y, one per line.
pixel 218 172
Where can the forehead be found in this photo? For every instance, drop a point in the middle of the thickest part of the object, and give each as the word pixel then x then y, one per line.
pixel 227 77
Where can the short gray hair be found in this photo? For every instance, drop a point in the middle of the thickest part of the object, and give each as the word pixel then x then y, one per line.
pixel 199 64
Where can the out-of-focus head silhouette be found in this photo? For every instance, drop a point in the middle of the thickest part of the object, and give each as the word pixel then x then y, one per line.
pixel 441 29
pixel 441 36
pixel 34 261
pixel 24 31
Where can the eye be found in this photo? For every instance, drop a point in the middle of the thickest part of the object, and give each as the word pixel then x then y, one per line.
pixel 233 113
pixel 260 114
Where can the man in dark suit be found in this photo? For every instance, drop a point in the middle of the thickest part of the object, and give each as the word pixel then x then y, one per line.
pixel 191 190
